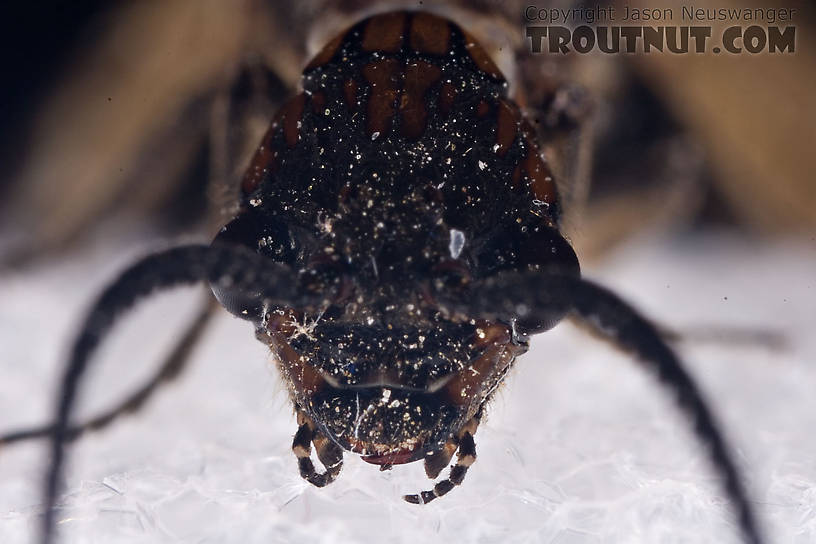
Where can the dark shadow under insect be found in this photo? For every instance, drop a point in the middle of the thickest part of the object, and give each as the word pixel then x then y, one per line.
pixel 398 242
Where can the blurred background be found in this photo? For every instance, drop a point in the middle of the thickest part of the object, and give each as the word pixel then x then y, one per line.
pixel 689 187
pixel 148 111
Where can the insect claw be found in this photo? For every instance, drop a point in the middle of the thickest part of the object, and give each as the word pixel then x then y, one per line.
pixel 413 499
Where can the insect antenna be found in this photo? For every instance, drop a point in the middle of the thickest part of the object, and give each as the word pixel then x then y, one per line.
pixel 223 265
pixel 170 369
pixel 536 294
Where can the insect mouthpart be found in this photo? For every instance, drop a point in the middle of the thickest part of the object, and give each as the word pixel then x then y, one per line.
pixel 385 425
pixel 392 395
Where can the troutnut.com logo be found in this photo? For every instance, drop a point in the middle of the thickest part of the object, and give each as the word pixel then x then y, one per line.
pixel 670 30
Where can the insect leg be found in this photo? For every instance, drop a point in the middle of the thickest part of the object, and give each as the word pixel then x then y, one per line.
pixel 510 295
pixel 172 367
pixel 438 460
pixel 327 451
pixel 465 457
pixel 435 462
pixel 220 264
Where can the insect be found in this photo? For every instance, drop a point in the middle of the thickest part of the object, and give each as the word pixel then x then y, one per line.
pixel 396 246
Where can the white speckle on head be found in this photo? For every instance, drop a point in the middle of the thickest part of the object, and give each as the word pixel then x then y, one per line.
pixel 457 242
pixel 482 165
pixel 357 418
pixel 375 135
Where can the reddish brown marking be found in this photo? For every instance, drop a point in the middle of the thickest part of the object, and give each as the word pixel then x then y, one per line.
pixel 318 102
pixel 398 457
pixel 447 94
pixel 265 159
pixel 350 94
pixel 467 384
pixel 284 323
pixel 305 380
pixel 430 34
pixel 384 33
pixel 491 333
pixel 327 53
pixel 516 177
pixel 257 169
pixel 482 108
pixel 541 180
pixel 506 126
pixel 481 58
pixel 292 114
pixel 383 75
pixel 419 77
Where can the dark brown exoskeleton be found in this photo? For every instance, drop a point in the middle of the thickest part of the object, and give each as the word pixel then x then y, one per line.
pixel 397 244
pixel 400 175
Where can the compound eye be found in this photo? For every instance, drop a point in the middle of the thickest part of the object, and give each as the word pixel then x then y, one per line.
pixel 547 250
pixel 243 231
pixel 269 238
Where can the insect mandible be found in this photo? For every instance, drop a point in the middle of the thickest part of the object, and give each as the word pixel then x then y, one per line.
pixel 396 246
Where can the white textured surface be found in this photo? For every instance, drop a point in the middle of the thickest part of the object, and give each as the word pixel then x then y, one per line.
pixel 579 446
